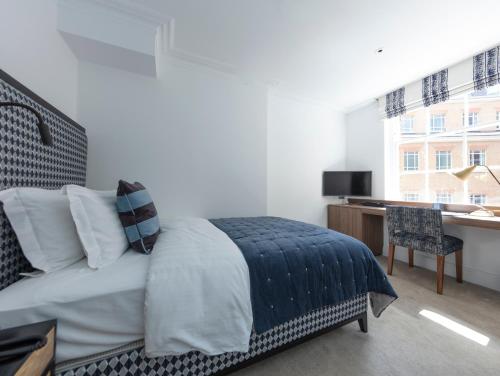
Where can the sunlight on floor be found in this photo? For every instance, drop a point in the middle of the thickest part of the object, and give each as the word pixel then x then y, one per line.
pixel 456 327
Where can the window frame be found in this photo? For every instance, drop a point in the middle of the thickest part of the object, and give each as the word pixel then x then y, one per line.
pixel 401 174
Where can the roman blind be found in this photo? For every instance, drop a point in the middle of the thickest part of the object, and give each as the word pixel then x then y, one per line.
pixel 486 66
pixel 477 72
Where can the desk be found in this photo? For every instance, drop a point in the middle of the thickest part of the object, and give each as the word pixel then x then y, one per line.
pixel 366 223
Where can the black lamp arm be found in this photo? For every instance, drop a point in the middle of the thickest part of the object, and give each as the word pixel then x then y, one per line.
pixel 42 127
pixel 491 173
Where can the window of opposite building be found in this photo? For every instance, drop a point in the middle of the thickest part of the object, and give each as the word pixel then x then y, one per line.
pixel 437 123
pixel 477 157
pixel 443 197
pixel 411 196
pixel 477 198
pixel 411 160
pixel 473 119
pixel 443 160
pixel 407 124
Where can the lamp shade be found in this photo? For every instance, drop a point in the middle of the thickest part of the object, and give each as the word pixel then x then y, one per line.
pixel 465 173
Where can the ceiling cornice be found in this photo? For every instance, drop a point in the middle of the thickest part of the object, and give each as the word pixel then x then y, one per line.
pixel 168 46
pixel 132 9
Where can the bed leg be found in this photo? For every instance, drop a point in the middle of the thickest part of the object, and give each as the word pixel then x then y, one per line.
pixel 363 323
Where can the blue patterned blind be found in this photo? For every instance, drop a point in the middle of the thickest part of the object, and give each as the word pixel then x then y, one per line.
pixel 486 68
pixel 435 88
pixel 395 103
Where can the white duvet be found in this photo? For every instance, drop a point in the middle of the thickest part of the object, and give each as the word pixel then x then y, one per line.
pixel 197 292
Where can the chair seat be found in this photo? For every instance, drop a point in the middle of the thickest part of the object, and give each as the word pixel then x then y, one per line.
pixel 452 244
pixel 428 244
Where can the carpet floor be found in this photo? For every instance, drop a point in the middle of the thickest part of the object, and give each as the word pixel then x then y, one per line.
pixel 422 333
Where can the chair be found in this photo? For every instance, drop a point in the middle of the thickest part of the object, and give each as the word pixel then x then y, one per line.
pixel 422 229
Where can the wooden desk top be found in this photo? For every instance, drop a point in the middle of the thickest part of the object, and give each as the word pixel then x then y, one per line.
pixel 455 218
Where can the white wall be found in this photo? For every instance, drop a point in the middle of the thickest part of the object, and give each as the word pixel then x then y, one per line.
pixel 364 135
pixel 365 150
pixel 304 139
pixel 34 53
pixel 195 137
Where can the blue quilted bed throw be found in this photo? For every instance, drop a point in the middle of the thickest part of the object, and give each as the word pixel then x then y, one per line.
pixel 296 268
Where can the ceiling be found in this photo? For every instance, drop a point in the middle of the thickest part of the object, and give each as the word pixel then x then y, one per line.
pixel 325 49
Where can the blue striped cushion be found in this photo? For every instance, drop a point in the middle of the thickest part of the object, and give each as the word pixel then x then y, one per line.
pixel 138 216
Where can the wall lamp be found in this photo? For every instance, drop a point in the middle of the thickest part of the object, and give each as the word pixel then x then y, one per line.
pixel 465 175
pixel 42 127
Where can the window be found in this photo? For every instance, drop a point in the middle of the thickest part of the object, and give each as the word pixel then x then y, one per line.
pixel 473 119
pixel 443 160
pixel 407 124
pixel 477 199
pixel 411 160
pixel 443 197
pixel 437 123
pixel 477 157
pixel 420 162
pixel 411 196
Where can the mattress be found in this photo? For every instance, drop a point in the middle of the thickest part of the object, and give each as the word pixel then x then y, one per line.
pixel 97 310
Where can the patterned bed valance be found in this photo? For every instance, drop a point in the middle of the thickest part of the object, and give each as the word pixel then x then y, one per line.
pixel 395 103
pixel 486 69
pixel 435 88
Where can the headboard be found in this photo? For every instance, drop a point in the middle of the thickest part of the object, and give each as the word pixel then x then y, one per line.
pixel 26 162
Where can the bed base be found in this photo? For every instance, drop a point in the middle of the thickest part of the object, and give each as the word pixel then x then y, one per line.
pixel 131 360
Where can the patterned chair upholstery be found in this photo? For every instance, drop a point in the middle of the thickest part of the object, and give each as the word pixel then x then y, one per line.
pixel 421 229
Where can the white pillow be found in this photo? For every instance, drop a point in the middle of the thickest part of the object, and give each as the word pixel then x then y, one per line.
pixel 98 224
pixel 42 221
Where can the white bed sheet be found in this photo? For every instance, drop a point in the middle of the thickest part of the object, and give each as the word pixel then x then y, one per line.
pixel 197 292
pixel 97 310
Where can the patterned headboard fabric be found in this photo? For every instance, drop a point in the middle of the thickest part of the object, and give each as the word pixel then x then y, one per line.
pixel 26 162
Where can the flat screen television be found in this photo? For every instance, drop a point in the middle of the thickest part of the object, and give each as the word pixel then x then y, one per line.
pixel 347 183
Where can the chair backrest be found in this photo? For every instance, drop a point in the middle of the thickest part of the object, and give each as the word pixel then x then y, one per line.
pixel 417 222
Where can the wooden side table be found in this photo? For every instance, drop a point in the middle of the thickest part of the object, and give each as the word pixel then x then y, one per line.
pixel 40 362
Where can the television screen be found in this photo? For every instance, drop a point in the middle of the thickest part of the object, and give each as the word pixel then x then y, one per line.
pixel 347 183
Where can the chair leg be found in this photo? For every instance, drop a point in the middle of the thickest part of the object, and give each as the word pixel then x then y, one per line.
pixel 440 274
pixel 410 257
pixel 459 265
pixel 390 258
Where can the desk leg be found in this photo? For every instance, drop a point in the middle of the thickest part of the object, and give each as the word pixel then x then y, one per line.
pixel 410 257
pixel 458 264
pixel 440 274
pixel 390 258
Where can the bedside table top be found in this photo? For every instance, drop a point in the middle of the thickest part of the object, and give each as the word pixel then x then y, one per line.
pixel 44 356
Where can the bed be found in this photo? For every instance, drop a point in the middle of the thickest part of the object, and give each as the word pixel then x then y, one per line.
pixel 95 337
